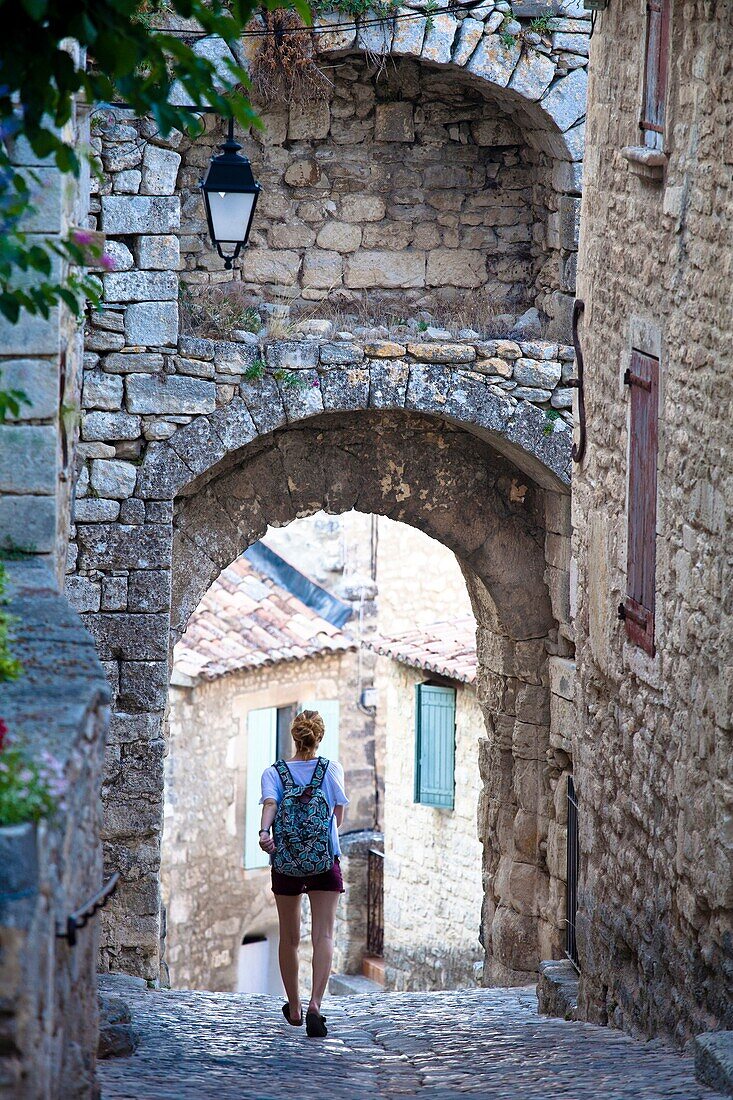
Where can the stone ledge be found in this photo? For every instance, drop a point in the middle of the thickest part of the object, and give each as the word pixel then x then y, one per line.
pixel 648 164
pixel 714 1060
pixel 557 989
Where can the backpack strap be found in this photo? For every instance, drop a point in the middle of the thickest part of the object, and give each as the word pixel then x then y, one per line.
pixel 285 774
pixel 319 772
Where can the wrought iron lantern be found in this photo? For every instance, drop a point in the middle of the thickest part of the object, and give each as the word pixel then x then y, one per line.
pixel 230 195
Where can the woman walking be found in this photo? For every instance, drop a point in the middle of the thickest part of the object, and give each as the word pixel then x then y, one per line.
pixel 303 802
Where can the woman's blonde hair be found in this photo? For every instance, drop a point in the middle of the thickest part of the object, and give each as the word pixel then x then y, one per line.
pixel 308 730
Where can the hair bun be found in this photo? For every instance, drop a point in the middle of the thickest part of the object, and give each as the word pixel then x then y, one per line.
pixel 308 730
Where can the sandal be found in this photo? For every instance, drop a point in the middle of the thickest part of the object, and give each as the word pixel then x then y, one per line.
pixel 315 1025
pixel 286 1014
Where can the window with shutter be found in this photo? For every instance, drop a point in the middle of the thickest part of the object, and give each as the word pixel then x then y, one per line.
pixel 435 745
pixel 637 610
pixel 655 72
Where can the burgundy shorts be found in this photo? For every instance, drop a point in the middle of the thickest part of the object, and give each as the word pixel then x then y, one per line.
pixel 291 885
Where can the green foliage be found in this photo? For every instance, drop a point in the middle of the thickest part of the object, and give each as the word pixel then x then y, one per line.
pixel 381 9
pixel 422 326
pixel 29 789
pixel 10 668
pixel 133 61
pixel 254 371
pixel 292 379
pixel 507 39
pixel 551 416
pixel 431 6
pixel 542 24
pixel 10 402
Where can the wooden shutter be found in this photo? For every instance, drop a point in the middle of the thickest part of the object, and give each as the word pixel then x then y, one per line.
pixel 329 712
pixel 435 745
pixel 655 72
pixel 638 608
pixel 261 752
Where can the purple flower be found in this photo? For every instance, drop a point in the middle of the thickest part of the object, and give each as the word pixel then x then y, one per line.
pixel 108 262
pixel 25 776
pixel 82 236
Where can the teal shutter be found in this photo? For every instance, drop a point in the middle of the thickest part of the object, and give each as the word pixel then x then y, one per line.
pixel 261 752
pixel 435 745
pixel 329 712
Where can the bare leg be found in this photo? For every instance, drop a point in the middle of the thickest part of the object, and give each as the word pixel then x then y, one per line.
pixel 288 911
pixel 323 915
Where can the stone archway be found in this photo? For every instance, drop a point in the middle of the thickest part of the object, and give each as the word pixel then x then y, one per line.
pixel 430 444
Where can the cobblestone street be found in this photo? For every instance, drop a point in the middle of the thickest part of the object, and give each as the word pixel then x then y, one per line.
pixel 488 1043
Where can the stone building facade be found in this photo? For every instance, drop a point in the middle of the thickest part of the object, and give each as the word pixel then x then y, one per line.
pixel 653 760
pixel 433 882
pixel 217 897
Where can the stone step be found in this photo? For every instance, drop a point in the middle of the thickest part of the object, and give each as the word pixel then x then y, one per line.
pixel 346 985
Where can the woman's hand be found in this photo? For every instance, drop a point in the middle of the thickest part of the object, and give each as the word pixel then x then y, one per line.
pixel 267 844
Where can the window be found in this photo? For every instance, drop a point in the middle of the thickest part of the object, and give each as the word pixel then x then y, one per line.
pixel 655 73
pixel 637 610
pixel 435 745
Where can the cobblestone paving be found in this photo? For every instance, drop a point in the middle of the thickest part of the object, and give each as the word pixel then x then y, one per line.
pixel 488 1043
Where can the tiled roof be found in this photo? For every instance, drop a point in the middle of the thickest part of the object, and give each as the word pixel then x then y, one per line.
pixel 448 649
pixel 247 621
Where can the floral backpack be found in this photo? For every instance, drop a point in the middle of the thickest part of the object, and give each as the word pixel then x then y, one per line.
pixel 302 826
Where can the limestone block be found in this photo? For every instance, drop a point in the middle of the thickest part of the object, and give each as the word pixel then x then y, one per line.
pixel 565 101
pixel 28 523
pixel 125 215
pixel 37 380
pixel 322 269
pixel 362 208
pixel 569 221
pixel 529 393
pixel 374 34
pixel 394 122
pixel 533 74
pixel 130 637
pixel 302 173
pixel 215 50
pixel 409 34
pixel 384 349
pixel 128 182
pixel 135 362
pixel 99 340
pixel 388 383
pixel 27 458
pixel 119 546
pixel 110 425
pixel 292 355
pixel 149 590
pixel 152 324
pixel 121 255
pixel 571 43
pixel 140 286
pixel 309 121
pixel 456 267
pixel 575 142
pixel 494 366
pixel 160 252
pixel 333 31
pixel 113 478
pixel 385 269
pixel 514 939
pixel 341 353
pixel 443 353
pixel 470 34
pixel 45 193
pixel 91 510
pixel 101 391
pixel 143 685
pixel 441 33
pixel 159 171
pixel 493 61
pixel 339 237
pixel 543 374
pixel 120 155
pixel 292 235
pixel 562 398
pixel 497 132
pixel 114 593
pixel 345 389
pixel 169 393
pixel 263 266
pixel 83 593
pixel 507 349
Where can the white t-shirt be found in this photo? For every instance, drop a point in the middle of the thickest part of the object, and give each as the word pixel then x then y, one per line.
pixel 302 773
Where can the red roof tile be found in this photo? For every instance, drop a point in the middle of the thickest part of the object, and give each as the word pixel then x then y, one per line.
pixel 246 620
pixel 448 649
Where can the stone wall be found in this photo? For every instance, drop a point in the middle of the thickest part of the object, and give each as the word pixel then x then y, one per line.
pixel 433 886
pixel 653 761
pixel 211 901
pixel 48 1004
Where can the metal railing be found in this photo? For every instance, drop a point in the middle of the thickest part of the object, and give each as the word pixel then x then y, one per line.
pixel 375 903
pixel 573 867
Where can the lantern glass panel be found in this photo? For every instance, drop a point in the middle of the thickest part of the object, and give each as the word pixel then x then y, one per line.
pixel 230 215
